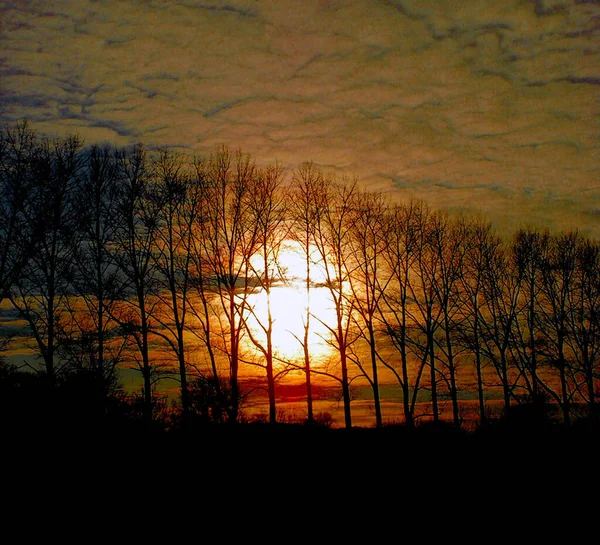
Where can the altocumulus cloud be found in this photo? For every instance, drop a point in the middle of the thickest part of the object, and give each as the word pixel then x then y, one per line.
pixel 480 106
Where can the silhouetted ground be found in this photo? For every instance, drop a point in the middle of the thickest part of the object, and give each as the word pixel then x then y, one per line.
pixel 391 444
pixel 77 408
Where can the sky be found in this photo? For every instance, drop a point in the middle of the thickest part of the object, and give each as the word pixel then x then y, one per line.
pixel 488 107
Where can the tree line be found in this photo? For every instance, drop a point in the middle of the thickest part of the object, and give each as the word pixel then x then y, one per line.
pixel 149 258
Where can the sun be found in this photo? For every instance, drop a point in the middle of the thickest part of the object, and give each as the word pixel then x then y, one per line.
pixel 293 306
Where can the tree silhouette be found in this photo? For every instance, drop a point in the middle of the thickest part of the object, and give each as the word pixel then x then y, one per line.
pixel 334 212
pixel 502 288
pixel 174 202
pixel 102 249
pixel 481 248
pixel 425 309
pixel 23 208
pixel 268 205
pixel 135 243
pixel 232 238
pixel 558 272
pixel 528 247
pixel 95 342
pixel 368 279
pixel 203 283
pixel 40 292
pixel 306 183
pixel 584 324
pixel 450 239
pixel 400 257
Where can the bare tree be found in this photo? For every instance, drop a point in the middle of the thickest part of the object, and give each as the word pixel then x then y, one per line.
pixel 23 211
pixel 425 310
pixel 482 246
pixel 232 238
pixel 502 289
pixel 450 241
pixel 96 344
pixel 400 254
pixel 334 212
pixel 368 279
pixel 39 292
pixel 307 182
pixel 528 248
pixel 135 243
pixel 268 204
pixel 584 322
pixel 558 270
pixel 174 201
pixel 203 282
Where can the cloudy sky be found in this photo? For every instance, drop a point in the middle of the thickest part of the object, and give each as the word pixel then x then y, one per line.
pixel 485 106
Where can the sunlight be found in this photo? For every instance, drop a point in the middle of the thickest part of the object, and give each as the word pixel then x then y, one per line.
pixel 291 264
pixel 289 304
pixel 289 308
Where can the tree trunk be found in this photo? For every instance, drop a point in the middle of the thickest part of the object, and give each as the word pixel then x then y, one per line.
pixel 376 400
pixel 433 377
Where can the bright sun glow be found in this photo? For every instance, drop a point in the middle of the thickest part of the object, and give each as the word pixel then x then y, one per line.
pixel 289 310
pixel 289 304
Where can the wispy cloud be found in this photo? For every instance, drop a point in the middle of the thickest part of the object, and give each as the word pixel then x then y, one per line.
pixel 482 106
